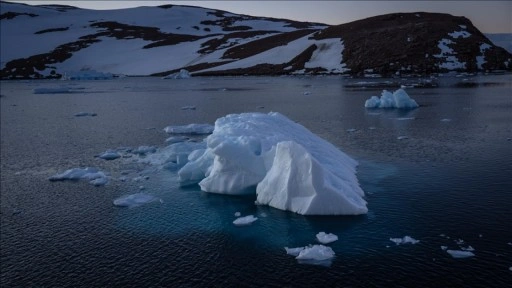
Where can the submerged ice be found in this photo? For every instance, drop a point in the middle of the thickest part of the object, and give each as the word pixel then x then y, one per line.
pixel 289 167
pixel 398 99
pixel 135 200
pixel 93 175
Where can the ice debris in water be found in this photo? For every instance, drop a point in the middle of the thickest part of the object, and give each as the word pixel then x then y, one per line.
pixel 398 99
pixel 109 155
pixel 316 252
pixel 246 220
pixel 289 167
pixel 134 200
pixel 183 74
pixel 404 240
pixel 93 175
pixel 460 253
pixel 176 155
pixel 190 129
pixel 176 139
pixel 324 238
pixel 82 114
pixel 238 214
pixel 294 251
pixel 188 108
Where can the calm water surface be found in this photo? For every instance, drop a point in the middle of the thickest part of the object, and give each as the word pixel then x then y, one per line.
pixel 440 174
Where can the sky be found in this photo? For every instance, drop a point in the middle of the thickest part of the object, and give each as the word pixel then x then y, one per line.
pixel 488 16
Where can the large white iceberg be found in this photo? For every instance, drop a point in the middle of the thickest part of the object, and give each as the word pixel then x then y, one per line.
pixel 398 99
pixel 289 167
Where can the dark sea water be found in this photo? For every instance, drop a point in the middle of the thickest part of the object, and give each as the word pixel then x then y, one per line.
pixel 441 174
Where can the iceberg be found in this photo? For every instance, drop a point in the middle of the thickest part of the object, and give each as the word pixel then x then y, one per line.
pixel 109 155
pixel 246 220
pixel 287 166
pixel 404 240
pixel 134 200
pixel 93 175
pixel 183 74
pixel 398 99
pixel 316 252
pixel 324 238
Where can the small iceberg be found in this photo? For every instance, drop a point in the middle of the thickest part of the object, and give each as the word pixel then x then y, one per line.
pixel 135 200
pixel 398 99
pixel 190 129
pixel 109 155
pixel 404 240
pixel 183 74
pixel 93 175
pixel 246 220
pixel 324 238
pixel 460 253
pixel 316 252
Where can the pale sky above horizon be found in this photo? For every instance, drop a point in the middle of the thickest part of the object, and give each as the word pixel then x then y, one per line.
pixel 488 16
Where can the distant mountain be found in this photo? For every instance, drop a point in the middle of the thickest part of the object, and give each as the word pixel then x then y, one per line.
pixel 503 40
pixel 47 41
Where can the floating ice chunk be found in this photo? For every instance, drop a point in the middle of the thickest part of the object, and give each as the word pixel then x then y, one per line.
pixel 402 137
pixel 294 251
pixel 188 108
pixel 190 129
pixel 290 167
pixel 174 156
pixel 246 220
pixel 307 93
pixel 324 238
pixel 399 99
pixel 316 252
pixel 93 175
pixel 82 114
pixel 134 200
pixel 459 241
pixel 446 120
pixel 87 75
pixel 176 139
pixel 404 240
pixel 183 74
pixel 109 155
pixel 351 130
pixel 469 248
pixel 238 214
pixel 460 253
pixel 51 90
pixel 444 248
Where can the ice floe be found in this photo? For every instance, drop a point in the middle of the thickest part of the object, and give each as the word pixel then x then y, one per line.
pixel 109 155
pixel 176 139
pixel 290 167
pixel 134 200
pixel 325 238
pixel 398 99
pixel 246 220
pixel 183 74
pixel 460 253
pixel 190 129
pixel 316 252
pixel 294 251
pixel 93 175
pixel 188 108
pixel 404 240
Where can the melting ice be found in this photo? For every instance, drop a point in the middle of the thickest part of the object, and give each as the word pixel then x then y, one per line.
pixel 289 167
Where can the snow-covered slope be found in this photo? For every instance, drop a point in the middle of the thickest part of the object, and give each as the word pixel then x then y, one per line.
pixel 50 40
